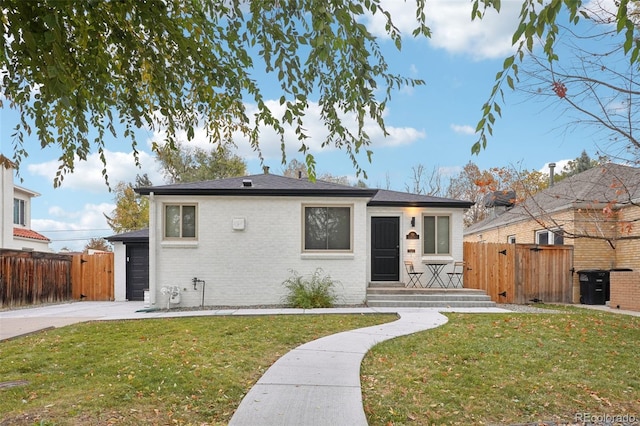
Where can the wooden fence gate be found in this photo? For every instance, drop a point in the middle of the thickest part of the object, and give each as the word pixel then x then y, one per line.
pixel 520 273
pixel 92 277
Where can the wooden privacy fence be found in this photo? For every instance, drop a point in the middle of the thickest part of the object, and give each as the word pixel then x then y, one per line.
pixel 31 278
pixel 520 273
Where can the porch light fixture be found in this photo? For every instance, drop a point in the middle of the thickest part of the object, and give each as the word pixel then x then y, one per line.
pixel 413 221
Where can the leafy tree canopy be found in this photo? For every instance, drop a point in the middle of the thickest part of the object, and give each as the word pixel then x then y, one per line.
pixel 578 165
pixel 99 244
pixel 188 164
pixel 132 210
pixel 74 70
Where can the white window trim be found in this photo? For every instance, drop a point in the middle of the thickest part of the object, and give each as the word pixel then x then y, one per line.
pixel 22 212
pixel 551 235
pixel 325 252
pixel 511 239
pixel 424 234
pixel 164 222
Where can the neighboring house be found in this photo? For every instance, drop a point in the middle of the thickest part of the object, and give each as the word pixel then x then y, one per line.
pixel 15 227
pixel 596 211
pixel 233 242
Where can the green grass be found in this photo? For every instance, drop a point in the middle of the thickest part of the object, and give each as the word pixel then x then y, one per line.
pixel 506 369
pixel 476 369
pixel 154 371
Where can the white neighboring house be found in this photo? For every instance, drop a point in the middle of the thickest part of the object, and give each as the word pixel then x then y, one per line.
pixel 15 227
pixel 232 242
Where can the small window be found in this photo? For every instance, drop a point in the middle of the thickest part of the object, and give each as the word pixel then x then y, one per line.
pixel 327 228
pixel 179 221
pixel 18 212
pixel 553 237
pixel 511 239
pixel 437 232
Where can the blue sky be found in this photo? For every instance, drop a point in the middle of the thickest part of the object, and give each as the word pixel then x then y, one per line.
pixel 431 125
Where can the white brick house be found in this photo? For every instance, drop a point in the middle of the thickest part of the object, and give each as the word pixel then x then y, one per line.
pixel 238 239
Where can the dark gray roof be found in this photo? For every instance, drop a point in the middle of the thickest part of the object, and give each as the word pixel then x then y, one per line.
pixel 262 184
pixel 274 185
pixel 141 235
pixel 596 187
pixel 405 199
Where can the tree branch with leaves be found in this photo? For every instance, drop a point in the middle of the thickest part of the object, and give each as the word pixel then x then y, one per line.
pixel 76 72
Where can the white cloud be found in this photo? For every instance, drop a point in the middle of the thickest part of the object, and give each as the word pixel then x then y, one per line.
pixel 449 171
pixel 314 128
pixel 463 129
pixel 560 164
pixel 452 28
pixel 87 175
pixel 73 228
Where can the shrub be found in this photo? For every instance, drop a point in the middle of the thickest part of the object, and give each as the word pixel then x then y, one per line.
pixel 314 292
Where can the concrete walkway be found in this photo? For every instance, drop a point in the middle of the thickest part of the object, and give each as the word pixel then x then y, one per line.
pixel 318 383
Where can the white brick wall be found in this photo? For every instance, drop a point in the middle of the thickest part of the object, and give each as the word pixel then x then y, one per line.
pixel 247 267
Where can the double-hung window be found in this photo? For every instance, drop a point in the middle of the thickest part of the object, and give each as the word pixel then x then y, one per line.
pixel 327 228
pixel 437 234
pixel 18 212
pixel 180 221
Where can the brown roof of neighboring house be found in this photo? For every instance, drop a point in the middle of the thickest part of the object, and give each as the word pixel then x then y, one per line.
pixel 28 233
pixel 609 183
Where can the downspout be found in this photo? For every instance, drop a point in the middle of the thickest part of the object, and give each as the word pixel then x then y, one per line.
pixel 152 249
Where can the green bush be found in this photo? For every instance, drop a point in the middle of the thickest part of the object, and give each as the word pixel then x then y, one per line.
pixel 314 292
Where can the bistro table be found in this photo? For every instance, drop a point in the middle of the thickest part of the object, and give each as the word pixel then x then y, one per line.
pixel 436 267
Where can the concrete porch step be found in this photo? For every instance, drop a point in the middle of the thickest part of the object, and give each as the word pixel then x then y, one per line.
pixel 400 296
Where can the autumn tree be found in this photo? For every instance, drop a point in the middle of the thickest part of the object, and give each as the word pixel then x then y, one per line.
pixel 76 70
pixel 132 210
pixel 99 244
pixel 478 186
pixel 181 163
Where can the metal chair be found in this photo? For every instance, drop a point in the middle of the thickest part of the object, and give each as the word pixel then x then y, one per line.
pixel 414 277
pixel 455 276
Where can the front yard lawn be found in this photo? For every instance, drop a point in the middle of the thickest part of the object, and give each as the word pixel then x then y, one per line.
pixel 508 369
pixel 155 371
pixel 477 369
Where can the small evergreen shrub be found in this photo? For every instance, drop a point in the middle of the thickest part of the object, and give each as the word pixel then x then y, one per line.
pixel 313 292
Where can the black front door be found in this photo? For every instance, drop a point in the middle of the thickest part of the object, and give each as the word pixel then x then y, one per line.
pixel 385 249
pixel 137 271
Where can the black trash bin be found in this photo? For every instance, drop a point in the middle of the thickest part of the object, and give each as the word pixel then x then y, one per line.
pixel 594 286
